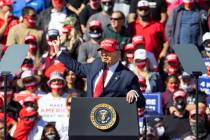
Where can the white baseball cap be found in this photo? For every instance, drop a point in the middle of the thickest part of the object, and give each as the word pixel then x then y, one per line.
pixel 206 36
pixel 140 54
pixel 27 73
pixel 143 3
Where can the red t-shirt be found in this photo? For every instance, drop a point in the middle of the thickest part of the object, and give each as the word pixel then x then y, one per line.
pixel 12 21
pixel 153 33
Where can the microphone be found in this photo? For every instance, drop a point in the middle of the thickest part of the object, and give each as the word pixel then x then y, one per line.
pixel 104 65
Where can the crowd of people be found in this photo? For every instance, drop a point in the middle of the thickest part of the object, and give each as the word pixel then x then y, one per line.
pixel 103 48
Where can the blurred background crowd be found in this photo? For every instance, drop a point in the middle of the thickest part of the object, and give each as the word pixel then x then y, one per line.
pixel 40 93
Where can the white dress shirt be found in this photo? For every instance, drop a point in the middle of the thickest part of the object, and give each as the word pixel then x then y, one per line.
pixel 110 72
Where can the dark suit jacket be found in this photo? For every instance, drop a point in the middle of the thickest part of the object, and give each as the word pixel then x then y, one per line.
pixel 122 81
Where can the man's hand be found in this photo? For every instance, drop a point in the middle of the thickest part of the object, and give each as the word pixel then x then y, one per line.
pixel 56 44
pixel 90 60
pixel 131 96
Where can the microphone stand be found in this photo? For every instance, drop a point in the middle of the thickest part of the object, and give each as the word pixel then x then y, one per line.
pixel 104 76
pixel 196 75
pixel 5 76
pixel 145 125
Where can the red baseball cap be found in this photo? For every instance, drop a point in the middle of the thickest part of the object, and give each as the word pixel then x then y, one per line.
pixel 129 47
pixel 138 39
pixel 179 93
pixel 200 113
pixel 95 23
pixel 57 66
pixel 27 112
pixel 6 2
pixel 109 44
pixel 172 58
pixel 30 38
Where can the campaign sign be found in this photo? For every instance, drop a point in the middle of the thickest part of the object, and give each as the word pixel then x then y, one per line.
pixel 52 109
pixel 204 84
pixel 206 61
pixel 208 101
pixel 153 103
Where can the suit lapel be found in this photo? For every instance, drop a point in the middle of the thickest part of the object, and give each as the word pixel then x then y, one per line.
pixel 115 77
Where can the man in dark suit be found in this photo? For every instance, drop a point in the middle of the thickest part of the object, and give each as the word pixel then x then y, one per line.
pixel 118 81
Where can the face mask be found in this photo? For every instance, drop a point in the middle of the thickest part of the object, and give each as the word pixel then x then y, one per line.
pixel 172 70
pixel 51 136
pixel 160 131
pixel 95 35
pixel 130 56
pixel 32 49
pixel 56 87
pixel 31 21
pixel 180 105
pixel 145 17
pixel 141 65
pixel 107 8
pixel 30 86
pixel 207 49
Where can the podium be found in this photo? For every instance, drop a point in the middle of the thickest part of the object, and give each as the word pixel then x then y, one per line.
pixel 108 118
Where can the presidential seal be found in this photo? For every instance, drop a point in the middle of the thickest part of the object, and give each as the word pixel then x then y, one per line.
pixel 103 116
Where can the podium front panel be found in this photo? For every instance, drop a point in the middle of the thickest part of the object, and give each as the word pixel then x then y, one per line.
pixel 81 127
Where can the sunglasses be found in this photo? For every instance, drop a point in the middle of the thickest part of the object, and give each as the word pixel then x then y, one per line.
pixel 119 18
pixel 95 30
pixel 143 9
pixel 29 104
pixel 28 80
pixel 31 16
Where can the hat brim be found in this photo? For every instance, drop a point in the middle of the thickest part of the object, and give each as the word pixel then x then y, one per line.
pixel 20 81
pixel 49 81
pixel 101 48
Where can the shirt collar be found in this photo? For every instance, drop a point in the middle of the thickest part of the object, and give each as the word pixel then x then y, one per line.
pixel 114 66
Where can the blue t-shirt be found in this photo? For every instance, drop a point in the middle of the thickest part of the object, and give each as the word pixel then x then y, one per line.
pixel 189 27
pixel 38 5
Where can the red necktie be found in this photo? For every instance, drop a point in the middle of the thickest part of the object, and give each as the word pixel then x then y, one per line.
pixel 100 84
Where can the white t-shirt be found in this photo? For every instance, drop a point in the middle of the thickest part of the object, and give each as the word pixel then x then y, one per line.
pixel 62 127
pixel 56 20
pixel 52 109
